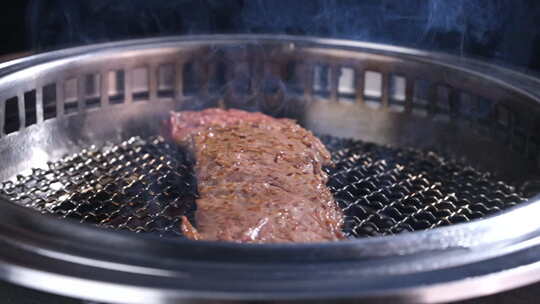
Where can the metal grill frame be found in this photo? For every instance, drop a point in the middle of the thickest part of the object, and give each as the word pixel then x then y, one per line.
pixel 428 266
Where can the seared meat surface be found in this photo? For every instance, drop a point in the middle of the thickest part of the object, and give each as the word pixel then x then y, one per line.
pixel 260 179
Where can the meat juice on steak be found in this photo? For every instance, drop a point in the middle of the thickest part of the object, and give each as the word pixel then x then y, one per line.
pixel 260 179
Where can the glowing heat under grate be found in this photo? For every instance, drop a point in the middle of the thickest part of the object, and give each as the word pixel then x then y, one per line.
pixel 146 185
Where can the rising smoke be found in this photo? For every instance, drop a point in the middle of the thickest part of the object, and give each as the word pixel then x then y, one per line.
pixel 501 30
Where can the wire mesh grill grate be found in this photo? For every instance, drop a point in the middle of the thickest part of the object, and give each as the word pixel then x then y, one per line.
pixel 388 190
pixel 146 185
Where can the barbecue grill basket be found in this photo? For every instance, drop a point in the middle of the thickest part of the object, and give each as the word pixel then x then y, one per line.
pixel 437 166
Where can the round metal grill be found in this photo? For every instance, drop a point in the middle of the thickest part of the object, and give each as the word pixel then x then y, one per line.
pixel 146 185
pixel 431 135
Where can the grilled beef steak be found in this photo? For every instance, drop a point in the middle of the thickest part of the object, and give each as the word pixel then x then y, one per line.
pixel 260 179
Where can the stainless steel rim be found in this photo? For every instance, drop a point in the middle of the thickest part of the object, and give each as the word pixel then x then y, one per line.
pixel 77 259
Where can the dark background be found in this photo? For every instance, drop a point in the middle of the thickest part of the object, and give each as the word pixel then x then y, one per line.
pixel 505 31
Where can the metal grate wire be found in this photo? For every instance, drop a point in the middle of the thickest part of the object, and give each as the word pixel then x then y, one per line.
pixel 387 190
pixel 146 185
